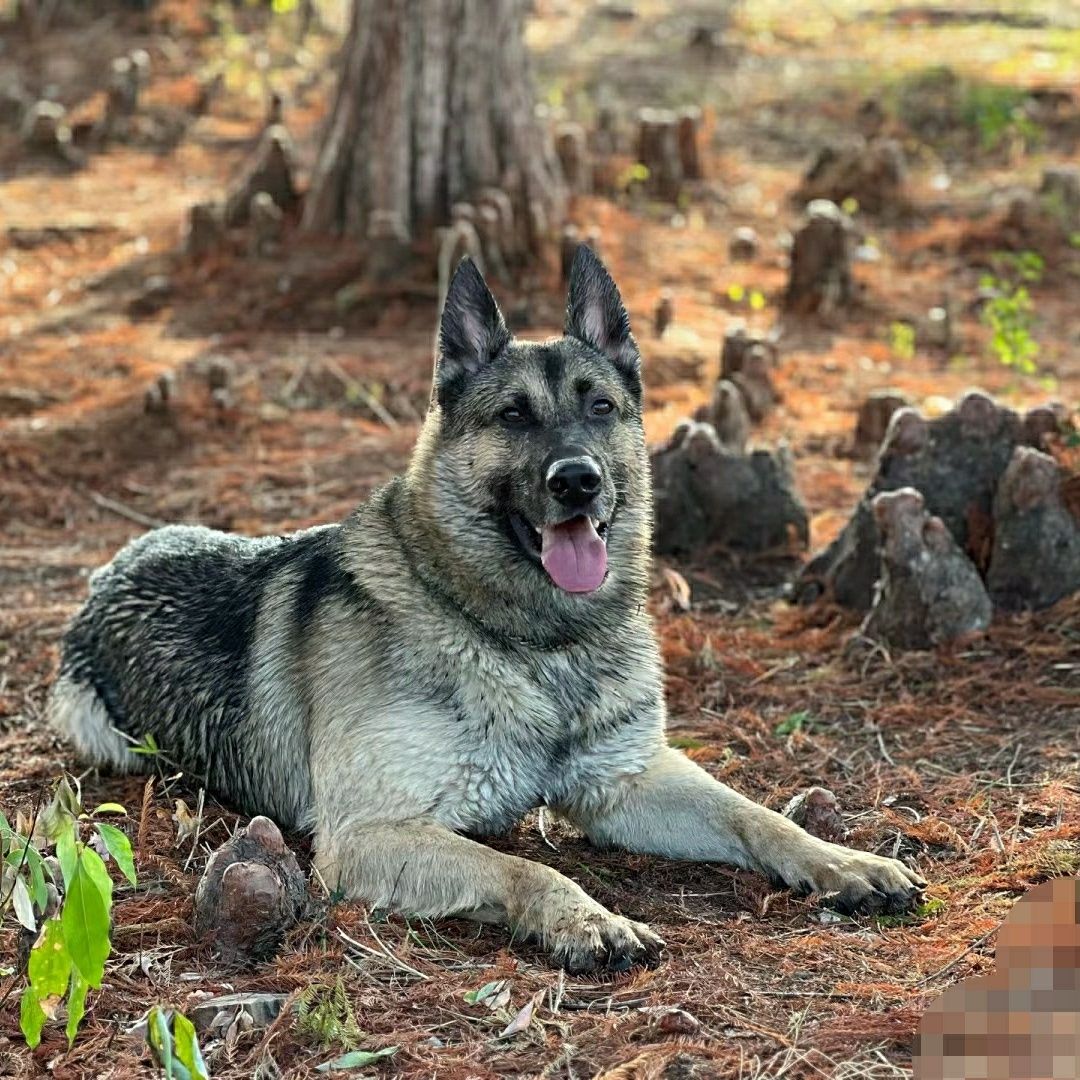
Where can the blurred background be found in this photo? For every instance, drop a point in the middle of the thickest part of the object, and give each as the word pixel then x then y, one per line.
pixel 225 232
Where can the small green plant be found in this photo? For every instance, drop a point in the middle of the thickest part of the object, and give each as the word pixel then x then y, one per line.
pixel 926 910
pixel 1010 311
pixel 797 721
pixel 325 1015
pixel 147 746
pixel 939 104
pixel 175 1049
pixel 73 943
pixel 902 340
pixel 996 113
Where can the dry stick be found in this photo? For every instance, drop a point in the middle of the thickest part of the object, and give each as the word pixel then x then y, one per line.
pixel 385 954
pixel 956 960
pixel 123 511
pixel 294 380
pixel 1016 827
pixel 543 830
pixel 353 387
pixel 884 752
pixel 1012 764
pixel 381 944
pixel 198 828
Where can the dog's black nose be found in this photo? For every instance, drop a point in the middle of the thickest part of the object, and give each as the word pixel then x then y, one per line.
pixel 574 481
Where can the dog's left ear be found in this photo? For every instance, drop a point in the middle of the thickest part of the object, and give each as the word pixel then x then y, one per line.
pixel 596 315
pixel 471 331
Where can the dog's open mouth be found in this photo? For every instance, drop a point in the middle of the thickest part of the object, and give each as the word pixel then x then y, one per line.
pixel 574 552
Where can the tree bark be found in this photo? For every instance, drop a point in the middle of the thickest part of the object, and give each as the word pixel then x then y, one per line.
pixel 435 103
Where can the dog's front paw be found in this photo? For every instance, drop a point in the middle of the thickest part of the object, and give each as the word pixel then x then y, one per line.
pixel 586 941
pixel 856 882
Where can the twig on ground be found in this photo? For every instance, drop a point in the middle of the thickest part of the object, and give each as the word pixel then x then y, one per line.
pixel 382 953
pixel 118 508
pixel 956 959
pixel 541 826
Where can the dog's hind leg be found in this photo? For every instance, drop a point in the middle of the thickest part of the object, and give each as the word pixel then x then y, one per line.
pixel 422 867
pixel 77 712
pixel 674 808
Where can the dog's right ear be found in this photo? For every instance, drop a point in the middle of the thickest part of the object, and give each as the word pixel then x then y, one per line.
pixel 472 331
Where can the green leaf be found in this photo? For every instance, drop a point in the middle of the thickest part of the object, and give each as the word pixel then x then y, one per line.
pixel 67 853
pixel 67 798
pixel 357 1059
pixel 33 861
pixel 148 746
pixel 37 879
pixel 157 1034
pixel 24 906
pixel 76 1004
pixel 6 831
pixel 31 1017
pixel 187 1047
pixel 110 808
pixel 685 742
pixel 119 848
pixel 93 864
pixel 53 821
pixel 85 919
pixel 50 965
pixel 474 997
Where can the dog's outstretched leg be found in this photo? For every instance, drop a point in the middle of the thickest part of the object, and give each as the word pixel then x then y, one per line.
pixel 674 808
pixel 422 867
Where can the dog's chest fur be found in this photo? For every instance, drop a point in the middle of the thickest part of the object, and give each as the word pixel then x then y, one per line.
pixel 475 734
pixel 538 730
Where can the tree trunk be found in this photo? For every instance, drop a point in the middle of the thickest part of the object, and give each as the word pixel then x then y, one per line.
pixel 434 104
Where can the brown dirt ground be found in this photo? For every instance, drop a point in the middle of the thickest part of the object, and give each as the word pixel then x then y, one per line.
pixel 965 760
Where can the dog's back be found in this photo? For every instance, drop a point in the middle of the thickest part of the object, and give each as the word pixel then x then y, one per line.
pixel 190 635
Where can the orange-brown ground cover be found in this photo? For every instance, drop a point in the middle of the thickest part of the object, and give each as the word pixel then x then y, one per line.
pixel 966 760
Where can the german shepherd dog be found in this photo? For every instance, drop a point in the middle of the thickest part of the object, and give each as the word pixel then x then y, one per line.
pixel 469 644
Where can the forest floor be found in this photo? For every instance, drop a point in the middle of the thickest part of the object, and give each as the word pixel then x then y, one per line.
pixel 966 760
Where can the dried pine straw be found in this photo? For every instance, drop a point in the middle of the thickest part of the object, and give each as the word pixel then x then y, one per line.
pixel 965 762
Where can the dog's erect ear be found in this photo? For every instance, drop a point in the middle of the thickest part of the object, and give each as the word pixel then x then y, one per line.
pixel 595 313
pixel 472 330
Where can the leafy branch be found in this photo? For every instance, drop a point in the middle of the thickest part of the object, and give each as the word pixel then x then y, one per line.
pixel 65 900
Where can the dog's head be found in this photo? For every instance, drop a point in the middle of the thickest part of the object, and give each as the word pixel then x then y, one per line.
pixel 533 457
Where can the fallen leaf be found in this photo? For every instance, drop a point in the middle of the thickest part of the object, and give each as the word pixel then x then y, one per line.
pixel 523 1018
pixel 357 1059
pixel 187 824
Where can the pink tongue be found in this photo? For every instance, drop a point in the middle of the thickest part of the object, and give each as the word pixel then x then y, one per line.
pixel 574 555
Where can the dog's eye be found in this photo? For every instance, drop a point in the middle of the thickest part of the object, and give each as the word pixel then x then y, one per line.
pixel 512 415
pixel 602 407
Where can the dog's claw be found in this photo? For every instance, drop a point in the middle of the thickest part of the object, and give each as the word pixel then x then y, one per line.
pixel 607 943
pixel 859 883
